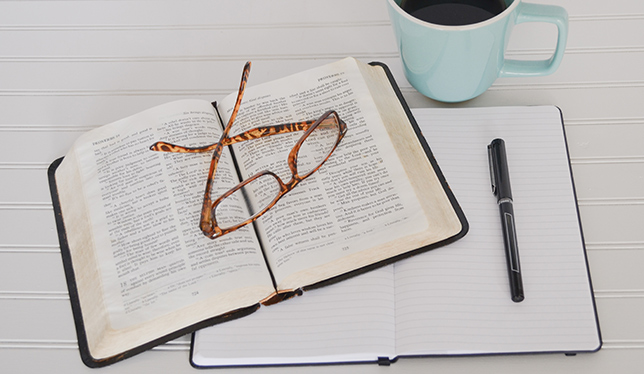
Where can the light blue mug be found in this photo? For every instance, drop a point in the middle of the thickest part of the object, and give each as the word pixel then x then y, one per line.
pixel 458 63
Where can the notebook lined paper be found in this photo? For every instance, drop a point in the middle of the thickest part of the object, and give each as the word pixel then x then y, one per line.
pixel 454 299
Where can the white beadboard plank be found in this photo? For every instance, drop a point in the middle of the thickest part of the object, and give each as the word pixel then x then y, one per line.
pixel 81 110
pixel 584 35
pixel 37 320
pixel 146 78
pixel 597 8
pixel 595 182
pixel 590 34
pixel 36 147
pixel 575 102
pixel 22 360
pixel 41 275
pixel 31 321
pixel 121 78
pixel 201 12
pixel 612 136
pixel 593 73
pixel 186 45
pixel 616 270
pixel 623 361
pixel 206 16
pixel 318 40
pixel 204 12
pixel 612 223
pixel 28 227
pixel 24 186
pixel 210 75
pixel 338 40
pixel 613 311
pixel 604 361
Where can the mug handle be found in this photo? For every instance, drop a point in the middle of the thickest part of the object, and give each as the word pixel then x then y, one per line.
pixel 539 13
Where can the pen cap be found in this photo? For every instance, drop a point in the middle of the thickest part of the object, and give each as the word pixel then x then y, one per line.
pixel 500 164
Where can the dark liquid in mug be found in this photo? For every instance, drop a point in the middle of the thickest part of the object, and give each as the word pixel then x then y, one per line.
pixel 453 12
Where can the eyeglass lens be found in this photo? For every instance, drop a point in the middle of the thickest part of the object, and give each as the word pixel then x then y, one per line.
pixel 317 147
pixel 257 194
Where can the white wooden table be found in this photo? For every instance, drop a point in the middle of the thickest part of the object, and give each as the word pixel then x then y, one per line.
pixel 68 66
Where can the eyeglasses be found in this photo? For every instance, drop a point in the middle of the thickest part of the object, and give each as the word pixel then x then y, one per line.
pixel 264 189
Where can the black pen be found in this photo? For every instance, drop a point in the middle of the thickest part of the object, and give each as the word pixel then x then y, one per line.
pixel 501 189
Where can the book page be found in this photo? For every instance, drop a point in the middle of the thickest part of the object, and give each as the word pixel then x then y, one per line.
pixel 359 199
pixel 145 209
pixel 350 321
pixel 456 299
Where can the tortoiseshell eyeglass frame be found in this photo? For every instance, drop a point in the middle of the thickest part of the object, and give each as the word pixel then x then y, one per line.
pixel 208 222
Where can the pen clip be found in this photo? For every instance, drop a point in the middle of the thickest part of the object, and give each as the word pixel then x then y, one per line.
pixel 490 159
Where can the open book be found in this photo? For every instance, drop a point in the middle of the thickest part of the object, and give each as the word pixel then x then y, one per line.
pixel 139 270
pixel 453 300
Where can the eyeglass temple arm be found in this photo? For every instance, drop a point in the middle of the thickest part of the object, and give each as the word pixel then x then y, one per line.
pixel 240 95
pixel 168 147
pixel 256 133
pixel 206 223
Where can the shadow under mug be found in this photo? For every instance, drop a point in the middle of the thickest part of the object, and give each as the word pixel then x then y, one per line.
pixel 458 63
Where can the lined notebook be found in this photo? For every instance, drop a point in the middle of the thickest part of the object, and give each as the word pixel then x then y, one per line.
pixel 454 300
